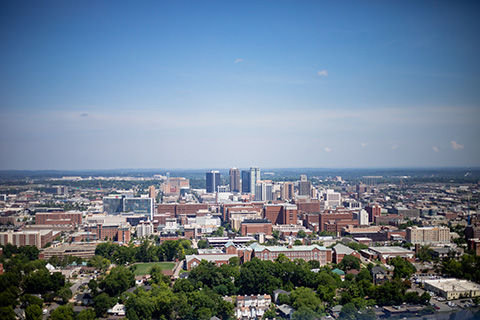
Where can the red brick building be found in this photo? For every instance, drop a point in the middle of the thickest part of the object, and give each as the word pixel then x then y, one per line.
pixel 332 217
pixel 181 208
pixel 280 213
pixel 254 226
pixel 113 232
pixel 307 253
pixel 340 251
pixel 308 205
pixel 58 218
pixel 373 211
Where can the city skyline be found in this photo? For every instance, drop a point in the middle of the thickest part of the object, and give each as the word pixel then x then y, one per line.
pixel 103 85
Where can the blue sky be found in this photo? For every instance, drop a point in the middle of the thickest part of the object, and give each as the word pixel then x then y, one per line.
pixel 217 84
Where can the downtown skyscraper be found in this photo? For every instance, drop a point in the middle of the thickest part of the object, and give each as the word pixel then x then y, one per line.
pixel 234 180
pixel 213 181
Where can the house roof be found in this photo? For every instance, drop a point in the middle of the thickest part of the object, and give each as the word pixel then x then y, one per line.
pixel 338 271
pixel 209 257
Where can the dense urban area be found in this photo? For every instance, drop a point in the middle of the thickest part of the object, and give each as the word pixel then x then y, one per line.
pixel 240 244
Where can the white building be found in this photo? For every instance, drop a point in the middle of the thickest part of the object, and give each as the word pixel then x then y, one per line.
pixel 144 229
pixel 332 199
pixel 453 288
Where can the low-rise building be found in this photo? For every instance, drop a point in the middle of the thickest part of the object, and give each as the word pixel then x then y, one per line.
pixel 191 261
pixel 340 251
pixel 85 251
pixel 453 288
pixel 26 238
pixel 252 307
pixel 307 253
pixel 384 254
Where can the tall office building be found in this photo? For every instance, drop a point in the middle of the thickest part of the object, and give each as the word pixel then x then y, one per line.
pixel 213 181
pixel 246 181
pixel 287 191
pixel 304 186
pixel 234 180
pixel 254 177
pixel 263 191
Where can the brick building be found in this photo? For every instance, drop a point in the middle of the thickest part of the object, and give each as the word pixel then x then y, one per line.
pixel 307 253
pixel 181 208
pixel 373 211
pixel 58 218
pixel 280 213
pixel 340 251
pixel 331 216
pixel 111 231
pixel 254 226
pixel 308 205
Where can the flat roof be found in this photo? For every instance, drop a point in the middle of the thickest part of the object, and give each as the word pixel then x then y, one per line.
pixel 453 285
pixel 256 247
pixel 392 249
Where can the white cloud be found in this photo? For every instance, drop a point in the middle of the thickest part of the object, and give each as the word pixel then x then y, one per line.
pixel 394 147
pixel 363 144
pixel 238 60
pixel 456 146
pixel 322 73
pixel 327 149
pixel 435 148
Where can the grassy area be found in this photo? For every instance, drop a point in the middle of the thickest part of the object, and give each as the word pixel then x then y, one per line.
pixel 142 268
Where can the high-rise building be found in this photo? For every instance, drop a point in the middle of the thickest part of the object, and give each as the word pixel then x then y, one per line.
pixel 213 181
pixel 234 180
pixel 373 211
pixel 287 191
pixel 143 206
pixel 263 191
pixel 246 181
pixel 151 192
pixel 332 199
pixel 304 188
pixel 113 204
pixel 254 177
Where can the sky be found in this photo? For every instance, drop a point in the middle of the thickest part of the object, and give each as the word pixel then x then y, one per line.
pixel 219 84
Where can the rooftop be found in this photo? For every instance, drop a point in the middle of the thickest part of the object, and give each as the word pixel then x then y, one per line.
pixel 257 247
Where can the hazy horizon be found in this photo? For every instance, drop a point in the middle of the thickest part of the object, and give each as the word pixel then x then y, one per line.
pixel 308 84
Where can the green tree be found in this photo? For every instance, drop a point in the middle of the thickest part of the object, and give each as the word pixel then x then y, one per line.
pixel 117 281
pixel 28 299
pixel 102 303
pixel 63 313
pixel 304 313
pixel 301 234
pixel 403 268
pixel 202 244
pixel 7 313
pixel 349 262
pixel 87 314
pixel 65 294
pixel 305 297
pixel 33 312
